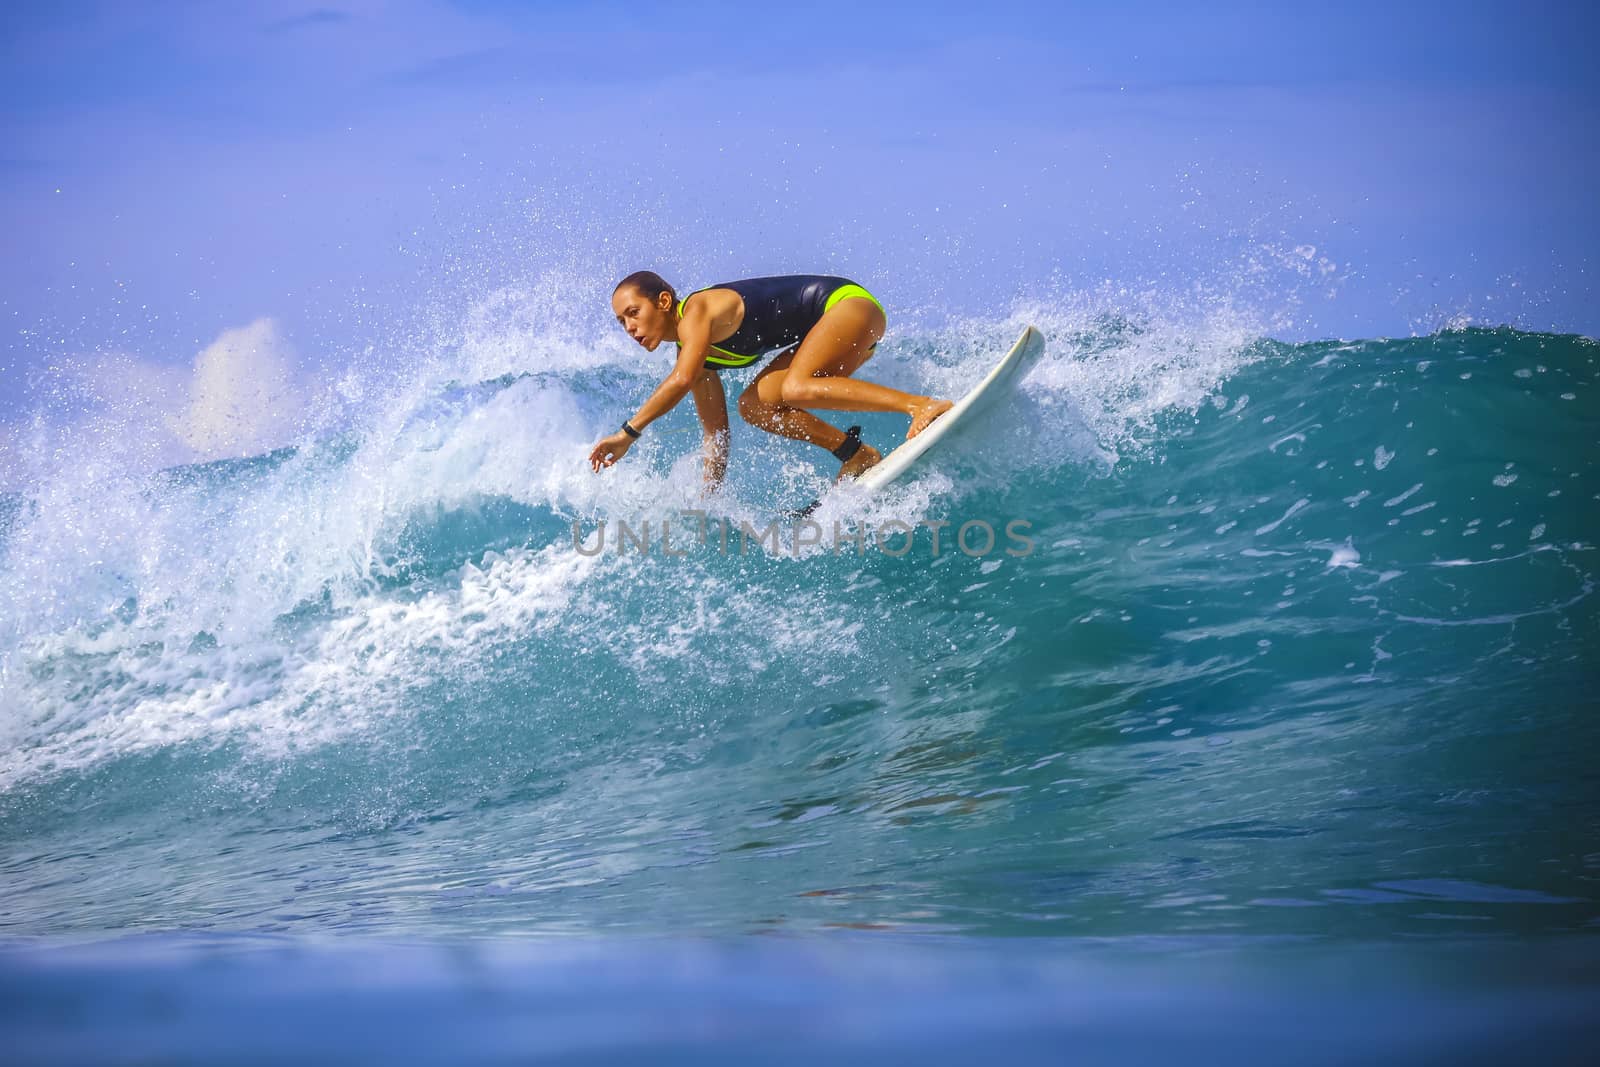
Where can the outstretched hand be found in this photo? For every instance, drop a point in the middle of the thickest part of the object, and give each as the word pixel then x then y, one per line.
pixel 609 450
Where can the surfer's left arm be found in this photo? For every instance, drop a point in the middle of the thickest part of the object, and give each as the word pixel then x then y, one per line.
pixel 711 404
pixel 694 341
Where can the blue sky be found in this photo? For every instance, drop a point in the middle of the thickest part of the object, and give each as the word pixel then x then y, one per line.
pixel 172 170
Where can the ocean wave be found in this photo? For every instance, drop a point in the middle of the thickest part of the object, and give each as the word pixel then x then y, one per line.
pixel 1325 554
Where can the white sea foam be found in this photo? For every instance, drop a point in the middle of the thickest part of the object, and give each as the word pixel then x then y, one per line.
pixel 1293 509
pixel 1344 555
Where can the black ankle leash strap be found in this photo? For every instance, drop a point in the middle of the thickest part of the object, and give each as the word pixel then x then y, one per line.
pixel 852 444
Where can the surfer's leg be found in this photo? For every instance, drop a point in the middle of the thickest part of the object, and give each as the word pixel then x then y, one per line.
pixel 761 405
pixel 842 340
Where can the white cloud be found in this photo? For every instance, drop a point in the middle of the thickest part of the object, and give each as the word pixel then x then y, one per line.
pixel 243 397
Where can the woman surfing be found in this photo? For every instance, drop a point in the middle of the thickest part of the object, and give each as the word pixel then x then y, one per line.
pixel 827 327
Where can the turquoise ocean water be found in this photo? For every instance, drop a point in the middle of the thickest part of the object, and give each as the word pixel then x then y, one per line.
pixel 1279 736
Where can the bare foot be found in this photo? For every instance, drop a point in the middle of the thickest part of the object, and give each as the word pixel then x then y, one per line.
pixel 924 412
pixel 866 456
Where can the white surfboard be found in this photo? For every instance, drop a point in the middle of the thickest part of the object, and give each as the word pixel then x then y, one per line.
pixel 967 413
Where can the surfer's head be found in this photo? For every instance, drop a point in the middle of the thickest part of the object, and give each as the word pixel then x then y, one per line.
pixel 643 303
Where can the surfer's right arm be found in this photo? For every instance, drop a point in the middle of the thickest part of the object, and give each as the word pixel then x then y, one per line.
pixel 694 341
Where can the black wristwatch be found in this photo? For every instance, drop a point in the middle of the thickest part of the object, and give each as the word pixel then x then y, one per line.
pixel 628 429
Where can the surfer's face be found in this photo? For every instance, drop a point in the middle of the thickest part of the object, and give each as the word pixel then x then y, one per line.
pixel 647 321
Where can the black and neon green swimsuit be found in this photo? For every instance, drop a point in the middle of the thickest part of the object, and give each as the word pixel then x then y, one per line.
pixel 778 312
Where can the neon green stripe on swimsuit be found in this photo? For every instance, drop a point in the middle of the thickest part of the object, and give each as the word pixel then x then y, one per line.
pixel 845 292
